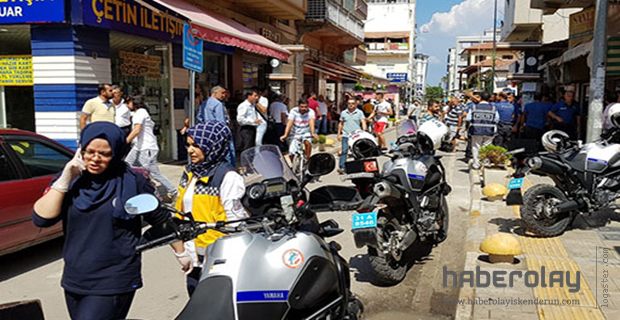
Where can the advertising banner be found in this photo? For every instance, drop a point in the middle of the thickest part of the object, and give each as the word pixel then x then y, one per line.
pixel 31 11
pixel 15 70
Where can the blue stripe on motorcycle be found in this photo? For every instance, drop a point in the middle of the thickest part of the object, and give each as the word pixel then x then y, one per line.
pixel 597 161
pixel 256 296
pixel 415 176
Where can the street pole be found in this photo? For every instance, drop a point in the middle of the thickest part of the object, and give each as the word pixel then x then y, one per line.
pixel 192 98
pixel 597 72
pixel 411 85
pixel 494 46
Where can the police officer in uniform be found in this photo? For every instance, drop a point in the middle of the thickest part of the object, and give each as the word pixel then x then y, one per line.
pixel 483 118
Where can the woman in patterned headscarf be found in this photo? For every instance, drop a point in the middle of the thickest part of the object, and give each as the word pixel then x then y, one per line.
pixel 210 188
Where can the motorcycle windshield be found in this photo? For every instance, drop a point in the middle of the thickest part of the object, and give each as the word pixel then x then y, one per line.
pixel 407 127
pixel 264 162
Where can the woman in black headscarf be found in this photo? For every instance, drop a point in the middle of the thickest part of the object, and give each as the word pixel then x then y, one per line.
pixel 102 269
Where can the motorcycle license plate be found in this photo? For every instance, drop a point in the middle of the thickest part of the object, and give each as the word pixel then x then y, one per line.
pixel 364 220
pixel 515 183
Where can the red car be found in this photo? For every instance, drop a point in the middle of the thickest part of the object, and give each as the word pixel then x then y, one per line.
pixel 28 162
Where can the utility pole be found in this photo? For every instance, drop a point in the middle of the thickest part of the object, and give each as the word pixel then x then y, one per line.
pixel 411 85
pixel 597 72
pixel 494 46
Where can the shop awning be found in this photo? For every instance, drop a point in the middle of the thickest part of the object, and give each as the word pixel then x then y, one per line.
pixel 216 28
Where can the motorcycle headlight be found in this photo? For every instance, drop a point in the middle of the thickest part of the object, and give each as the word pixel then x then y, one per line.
pixel 257 191
pixel 534 163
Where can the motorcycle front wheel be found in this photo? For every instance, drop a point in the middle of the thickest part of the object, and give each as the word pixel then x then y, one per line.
pixel 536 211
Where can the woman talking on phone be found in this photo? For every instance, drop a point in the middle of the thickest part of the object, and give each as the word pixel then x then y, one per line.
pixel 102 270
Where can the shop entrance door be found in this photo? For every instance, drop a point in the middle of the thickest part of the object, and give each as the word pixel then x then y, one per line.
pixel 141 67
pixel 17 107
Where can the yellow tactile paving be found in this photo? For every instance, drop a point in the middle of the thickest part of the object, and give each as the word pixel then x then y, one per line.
pixel 551 253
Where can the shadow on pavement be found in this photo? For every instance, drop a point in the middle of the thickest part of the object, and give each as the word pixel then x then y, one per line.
pixel 418 255
pixel 510 226
pixel 31 258
pixel 596 220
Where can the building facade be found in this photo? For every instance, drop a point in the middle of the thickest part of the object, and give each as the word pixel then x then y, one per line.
pixel 463 42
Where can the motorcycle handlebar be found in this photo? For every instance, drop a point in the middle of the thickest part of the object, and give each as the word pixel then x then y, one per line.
pixel 158 242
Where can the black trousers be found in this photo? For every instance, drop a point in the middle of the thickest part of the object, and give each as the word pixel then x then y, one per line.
pixel 193 278
pixel 94 307
pixel 247 138
pixel 504 134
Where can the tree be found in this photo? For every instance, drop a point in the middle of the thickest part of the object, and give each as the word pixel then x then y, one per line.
pixel 434 93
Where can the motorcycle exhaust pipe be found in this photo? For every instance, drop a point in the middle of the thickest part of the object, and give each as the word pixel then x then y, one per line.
pixel 384 189
pixel 567 206
pixel 408 239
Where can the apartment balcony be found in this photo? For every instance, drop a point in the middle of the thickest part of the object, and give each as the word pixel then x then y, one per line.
pixel 281 9
pixel 551 6
pixel 356 56
pixel 521 22
pixel 335 21
pixel 382 48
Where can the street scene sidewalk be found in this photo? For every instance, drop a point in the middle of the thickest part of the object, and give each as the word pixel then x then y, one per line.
pixel 588 250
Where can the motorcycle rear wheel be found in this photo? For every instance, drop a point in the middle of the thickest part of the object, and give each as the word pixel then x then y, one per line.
pixel 535 201
pixel 387 271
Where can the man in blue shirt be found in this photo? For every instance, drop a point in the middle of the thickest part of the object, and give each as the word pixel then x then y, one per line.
pixel 506 125
pixel 534 118
pixel 565 115
pixel 213 108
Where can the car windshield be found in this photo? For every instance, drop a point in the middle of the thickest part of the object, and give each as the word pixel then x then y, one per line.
pixel 407 127
pixel 264 162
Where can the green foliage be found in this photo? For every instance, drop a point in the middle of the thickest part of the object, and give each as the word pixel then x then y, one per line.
pixel 496 155
pixel 358 87
pixel 322 139
pixel 434 93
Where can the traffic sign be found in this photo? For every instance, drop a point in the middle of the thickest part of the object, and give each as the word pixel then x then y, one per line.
pixel 192 50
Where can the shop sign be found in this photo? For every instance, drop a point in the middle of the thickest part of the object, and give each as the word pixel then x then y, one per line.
pixel 581 25
pixel 397 77
pixel 192 50
pixel 15 70
pixel 271 35
pixel 31 11
pixel 140 65
pixel 130 17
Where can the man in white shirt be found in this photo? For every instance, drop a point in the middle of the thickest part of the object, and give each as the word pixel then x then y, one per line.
pixel 301 123
pixel 123 114
pixel 278 111
pixel 262 105
pixel 382 110
pixel 248 119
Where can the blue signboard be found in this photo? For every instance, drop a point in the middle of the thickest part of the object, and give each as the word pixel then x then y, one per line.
pixel 131 17
pixel 397 76
pixel 31 11
pixel 192 50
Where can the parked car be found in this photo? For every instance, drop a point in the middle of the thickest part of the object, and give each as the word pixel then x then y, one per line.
pixel 28 162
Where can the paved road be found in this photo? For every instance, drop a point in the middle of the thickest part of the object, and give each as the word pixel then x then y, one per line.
pixel 35 273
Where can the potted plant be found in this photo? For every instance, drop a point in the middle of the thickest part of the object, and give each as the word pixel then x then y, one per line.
pixel 322 140
pixel 494 156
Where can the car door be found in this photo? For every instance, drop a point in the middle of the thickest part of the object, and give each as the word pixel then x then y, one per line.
pixel 41 160
pixel 16 229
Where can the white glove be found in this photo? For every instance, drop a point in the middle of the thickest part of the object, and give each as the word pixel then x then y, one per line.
pixel 72 169
pixel 186 261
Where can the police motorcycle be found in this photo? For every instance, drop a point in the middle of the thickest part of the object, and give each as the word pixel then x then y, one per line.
pixel 586 180
pixel 407 210
pixel 363 169
pixel 275 264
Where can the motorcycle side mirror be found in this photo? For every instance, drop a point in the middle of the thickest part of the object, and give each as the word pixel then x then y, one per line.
pixel 321 164
pixel 141 204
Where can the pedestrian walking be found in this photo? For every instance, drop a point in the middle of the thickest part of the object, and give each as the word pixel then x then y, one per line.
pixel 278 111
pixel 213 109
pixel 262 106
pixel 248 119
pixel 380 114
pixel 144 148
pixel 483 119
pixel 507 121
pixel 454 119
pixel 99 108
pixel 322 125
pixel 101 267
pixel 209 188
pixel 122 116
pixel 351 119
pixel 565 115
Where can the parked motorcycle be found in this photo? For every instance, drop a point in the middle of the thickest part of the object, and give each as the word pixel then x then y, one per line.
pixel 586 179
pixel 275 264
pixel 363 169
pixel 407 208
